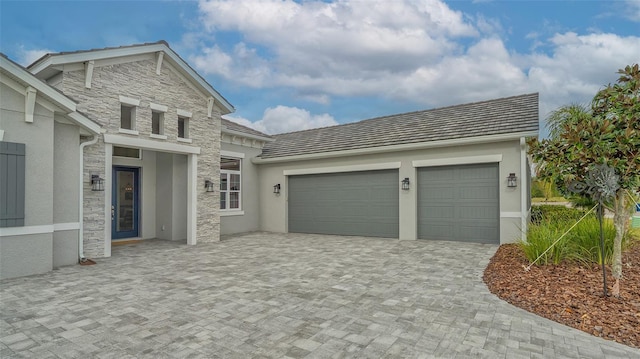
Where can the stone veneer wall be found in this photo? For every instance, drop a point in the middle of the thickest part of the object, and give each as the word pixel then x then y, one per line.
pixel 101 103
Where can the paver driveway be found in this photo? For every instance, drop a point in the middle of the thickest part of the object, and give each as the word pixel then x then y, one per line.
pixel 280 295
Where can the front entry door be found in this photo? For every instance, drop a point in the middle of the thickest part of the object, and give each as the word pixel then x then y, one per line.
pixel 125 206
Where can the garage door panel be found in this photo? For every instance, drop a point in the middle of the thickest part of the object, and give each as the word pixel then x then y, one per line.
pixel 353 203
pixel 459 203
pixel 440 212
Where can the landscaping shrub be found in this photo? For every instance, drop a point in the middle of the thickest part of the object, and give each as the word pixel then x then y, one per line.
pixel 583 241
pixel 550 213
pixel 581 244
pixel 541 236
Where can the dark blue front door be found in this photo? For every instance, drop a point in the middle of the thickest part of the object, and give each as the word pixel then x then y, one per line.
pixel 125 202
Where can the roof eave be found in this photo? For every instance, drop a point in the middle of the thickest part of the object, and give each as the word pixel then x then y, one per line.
pixel 247 135
pixel 61 101
pixel 400 147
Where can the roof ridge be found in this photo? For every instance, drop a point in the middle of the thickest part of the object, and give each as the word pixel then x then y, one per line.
pixel 411 112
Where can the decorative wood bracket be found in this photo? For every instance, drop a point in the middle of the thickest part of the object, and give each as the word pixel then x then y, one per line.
pixel 210 102
pixel 159 62
pixel 29 104
pixel 88 73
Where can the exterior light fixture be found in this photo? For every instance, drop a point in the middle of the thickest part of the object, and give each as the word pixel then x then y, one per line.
pixel 405 184
pixel 512 180
pixel 97 183
pixel 276 189
pixel 208 185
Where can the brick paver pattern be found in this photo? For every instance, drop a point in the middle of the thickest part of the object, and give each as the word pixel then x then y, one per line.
pixel 265 295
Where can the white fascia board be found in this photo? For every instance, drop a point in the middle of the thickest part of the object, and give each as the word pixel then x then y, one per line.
pixel 150 144
pixel 84 122
pixel 231 154
pixel 54 60
pixel 467 160
pixel 341 169
pixel 246 135
pixel 58 59
pixel 42 88
pixel 398 148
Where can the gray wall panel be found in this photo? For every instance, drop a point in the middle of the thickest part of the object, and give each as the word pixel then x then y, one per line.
pixel 25 255
pixel 65 248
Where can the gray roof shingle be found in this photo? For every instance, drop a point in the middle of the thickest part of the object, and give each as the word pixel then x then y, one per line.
pixel 230 125
pixel 501 116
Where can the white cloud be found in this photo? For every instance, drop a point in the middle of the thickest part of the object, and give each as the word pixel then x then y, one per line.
pixel 281 119
pixel 27 57
pixel 410 50
pixel 578 67
pixel 322 46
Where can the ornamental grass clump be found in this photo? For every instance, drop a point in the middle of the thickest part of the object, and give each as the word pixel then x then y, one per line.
pixel 581 245
pixel 539 238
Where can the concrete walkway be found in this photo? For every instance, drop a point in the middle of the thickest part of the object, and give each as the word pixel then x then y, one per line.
pixel 281 295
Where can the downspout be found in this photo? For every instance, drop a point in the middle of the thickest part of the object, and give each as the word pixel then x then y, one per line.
pixel 524 190
pixel 81 257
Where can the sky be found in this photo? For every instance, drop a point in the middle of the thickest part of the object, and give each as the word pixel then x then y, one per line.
pixel 293 65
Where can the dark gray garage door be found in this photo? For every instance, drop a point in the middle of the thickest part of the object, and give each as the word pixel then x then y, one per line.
pixel 352 203
pixel 459 203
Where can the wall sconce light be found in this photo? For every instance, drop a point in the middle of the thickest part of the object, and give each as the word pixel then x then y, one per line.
pixel 276 189
pixel 97 183
pixel 512 180
pixel 208 185
pixel 405 184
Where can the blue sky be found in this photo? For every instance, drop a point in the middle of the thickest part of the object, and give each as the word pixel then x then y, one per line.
pixel 291 65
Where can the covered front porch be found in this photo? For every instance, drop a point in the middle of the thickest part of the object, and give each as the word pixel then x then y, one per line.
pixel 151 191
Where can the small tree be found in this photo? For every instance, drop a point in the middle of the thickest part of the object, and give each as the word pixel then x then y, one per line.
pixel 606 134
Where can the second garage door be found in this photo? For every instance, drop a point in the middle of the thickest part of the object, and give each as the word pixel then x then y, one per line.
pixel 353 203
pixel 459 203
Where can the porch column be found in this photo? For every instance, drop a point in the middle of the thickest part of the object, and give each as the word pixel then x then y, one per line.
pixel 192 199
pixel 108 177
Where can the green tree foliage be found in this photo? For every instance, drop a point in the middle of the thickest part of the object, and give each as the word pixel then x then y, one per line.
pixel 607 133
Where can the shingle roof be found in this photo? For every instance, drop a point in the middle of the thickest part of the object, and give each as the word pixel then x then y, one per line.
pixel 501 116
pixel 236 127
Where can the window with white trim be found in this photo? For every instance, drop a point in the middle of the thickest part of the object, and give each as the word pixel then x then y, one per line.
pixel 183 127
pixel 157 123
pixel 230 184
pixel 127 117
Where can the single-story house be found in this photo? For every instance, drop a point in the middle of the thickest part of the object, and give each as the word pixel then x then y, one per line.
pixel 111 145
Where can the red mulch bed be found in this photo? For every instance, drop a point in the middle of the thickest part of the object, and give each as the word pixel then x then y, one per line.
pixel 571 294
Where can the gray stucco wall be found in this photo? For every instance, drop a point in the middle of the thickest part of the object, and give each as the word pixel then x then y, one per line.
pixel 65 194
pixel 38 140
pixel 28 254
pixel 171 189
pixel 273 209
pixel 66 173
pixel 25 255
pixel 164 195
pixel 65 248
pixel 179 190
pixel 251 187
